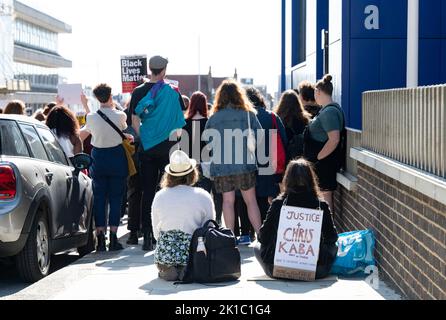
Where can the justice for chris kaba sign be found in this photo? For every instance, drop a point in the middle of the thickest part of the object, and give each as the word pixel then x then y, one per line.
pixel 133 72
pixel 298 240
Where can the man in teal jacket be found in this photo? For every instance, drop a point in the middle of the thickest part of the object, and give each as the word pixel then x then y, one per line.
pixel 157 113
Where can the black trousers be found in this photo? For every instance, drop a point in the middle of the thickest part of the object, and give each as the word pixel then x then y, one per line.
pixel 152 164
pixel 134 196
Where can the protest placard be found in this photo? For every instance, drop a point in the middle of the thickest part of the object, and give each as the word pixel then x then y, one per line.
pixel 133 72
pixel 70 93
pixel 298 240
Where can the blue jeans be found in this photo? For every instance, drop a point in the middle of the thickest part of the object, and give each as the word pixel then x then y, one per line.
pixel 109 172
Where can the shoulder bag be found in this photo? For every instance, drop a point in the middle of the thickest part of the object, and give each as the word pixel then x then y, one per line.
pixel 126 144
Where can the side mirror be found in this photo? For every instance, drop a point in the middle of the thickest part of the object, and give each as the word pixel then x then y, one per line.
pixel 82 161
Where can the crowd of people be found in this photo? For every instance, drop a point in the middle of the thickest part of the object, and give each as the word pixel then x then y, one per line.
pixel 234 160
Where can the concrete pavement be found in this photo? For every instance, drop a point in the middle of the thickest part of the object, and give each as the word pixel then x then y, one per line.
pixel 132 275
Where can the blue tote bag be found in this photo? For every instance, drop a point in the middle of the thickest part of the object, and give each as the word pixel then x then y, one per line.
pixel 355 254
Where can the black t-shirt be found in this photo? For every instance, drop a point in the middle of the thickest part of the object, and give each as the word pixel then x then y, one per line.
pixel 200 125
pixel 140 92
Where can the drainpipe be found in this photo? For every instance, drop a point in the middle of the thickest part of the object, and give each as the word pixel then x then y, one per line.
pixel 413 25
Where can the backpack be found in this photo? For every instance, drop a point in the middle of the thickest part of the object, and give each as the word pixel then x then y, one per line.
pixel 295 146
pixel 220 261
pixel 279 157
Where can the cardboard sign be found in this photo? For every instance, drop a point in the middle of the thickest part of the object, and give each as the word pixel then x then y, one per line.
pixel 133 72
pixel 298 240
pixel 70 93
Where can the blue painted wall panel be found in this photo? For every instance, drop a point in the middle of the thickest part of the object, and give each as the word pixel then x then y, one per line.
pixel 365 70
pixel 430 18
pixel 392 19
pixel 443 18
pixel 393 64
pixel 430 62
pixel 443 61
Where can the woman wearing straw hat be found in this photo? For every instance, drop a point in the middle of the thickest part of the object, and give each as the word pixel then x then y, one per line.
pixel 178 210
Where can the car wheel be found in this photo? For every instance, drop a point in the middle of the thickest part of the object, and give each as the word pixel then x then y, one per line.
pixel 33 262
pixel 91 243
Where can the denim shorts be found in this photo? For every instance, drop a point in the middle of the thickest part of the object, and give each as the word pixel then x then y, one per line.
pixel 243 182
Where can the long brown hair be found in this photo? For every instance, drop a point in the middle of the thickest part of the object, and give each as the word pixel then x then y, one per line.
pixel 290 109
pixel 198 104
pixel 63 121
pixel 300 176
pixel 231 93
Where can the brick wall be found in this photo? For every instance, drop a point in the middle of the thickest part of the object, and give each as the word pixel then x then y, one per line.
pixel 410 229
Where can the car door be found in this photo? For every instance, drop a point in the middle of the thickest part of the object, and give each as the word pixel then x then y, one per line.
pixel 56 180
pixel 75 212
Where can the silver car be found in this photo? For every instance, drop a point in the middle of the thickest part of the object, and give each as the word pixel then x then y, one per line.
pixel 45 200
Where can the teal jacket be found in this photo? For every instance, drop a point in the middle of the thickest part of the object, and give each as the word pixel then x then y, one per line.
pixel 161 114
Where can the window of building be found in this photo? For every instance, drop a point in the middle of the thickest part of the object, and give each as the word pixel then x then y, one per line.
pixel 35 36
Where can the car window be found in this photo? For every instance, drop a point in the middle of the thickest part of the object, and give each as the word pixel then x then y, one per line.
pixel 34 142
pixel 11 140
pixel 52 146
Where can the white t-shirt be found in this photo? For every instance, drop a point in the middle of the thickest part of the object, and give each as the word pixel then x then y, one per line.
pixel 102 134
pixel 181 208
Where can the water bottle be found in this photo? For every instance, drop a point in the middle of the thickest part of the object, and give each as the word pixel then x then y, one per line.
pixel 201 247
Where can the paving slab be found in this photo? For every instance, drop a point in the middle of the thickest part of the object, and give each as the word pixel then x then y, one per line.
pixel 132 275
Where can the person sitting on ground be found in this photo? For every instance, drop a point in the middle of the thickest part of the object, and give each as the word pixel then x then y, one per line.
pixel 15 107
pixel 306 96
pixel 178 210
pixel 64 125
pixel 300 189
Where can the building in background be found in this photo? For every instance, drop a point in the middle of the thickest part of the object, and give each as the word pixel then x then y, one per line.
pixel 188 84
pixel 29 55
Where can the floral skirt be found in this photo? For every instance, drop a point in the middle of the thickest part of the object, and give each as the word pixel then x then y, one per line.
pixel 172 249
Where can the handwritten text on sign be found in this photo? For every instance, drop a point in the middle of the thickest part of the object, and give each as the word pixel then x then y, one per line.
pixel 298 240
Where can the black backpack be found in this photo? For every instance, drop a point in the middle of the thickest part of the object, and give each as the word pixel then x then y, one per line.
pixel 220 263
pixel 295 147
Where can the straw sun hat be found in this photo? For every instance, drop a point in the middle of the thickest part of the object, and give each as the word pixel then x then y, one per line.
pixel 180 164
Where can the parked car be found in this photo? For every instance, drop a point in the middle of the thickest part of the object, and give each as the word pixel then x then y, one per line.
pixel 45 200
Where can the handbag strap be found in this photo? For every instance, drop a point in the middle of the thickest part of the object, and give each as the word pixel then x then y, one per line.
pixel 249 121
pixel 107 119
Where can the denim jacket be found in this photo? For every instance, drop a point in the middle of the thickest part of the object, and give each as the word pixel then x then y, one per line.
pixel 230 158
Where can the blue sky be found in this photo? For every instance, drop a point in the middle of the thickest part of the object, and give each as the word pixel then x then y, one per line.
pixel 234 33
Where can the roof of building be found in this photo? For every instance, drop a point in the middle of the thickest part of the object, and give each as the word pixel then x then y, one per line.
pixel 27 13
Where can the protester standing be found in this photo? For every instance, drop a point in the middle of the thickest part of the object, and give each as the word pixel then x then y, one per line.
pixel 233 114
pixel 323 143
pixel 300 190
pixel 178 210
pixel 196 120
pixel 110 168
pixel 295 119
pixel 307 99
pixel 267 182
pixel 157 112
pixel 65 127
pixel 134 188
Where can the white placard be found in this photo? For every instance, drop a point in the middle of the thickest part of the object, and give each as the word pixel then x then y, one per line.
pixel 298 241
pixel 70 93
